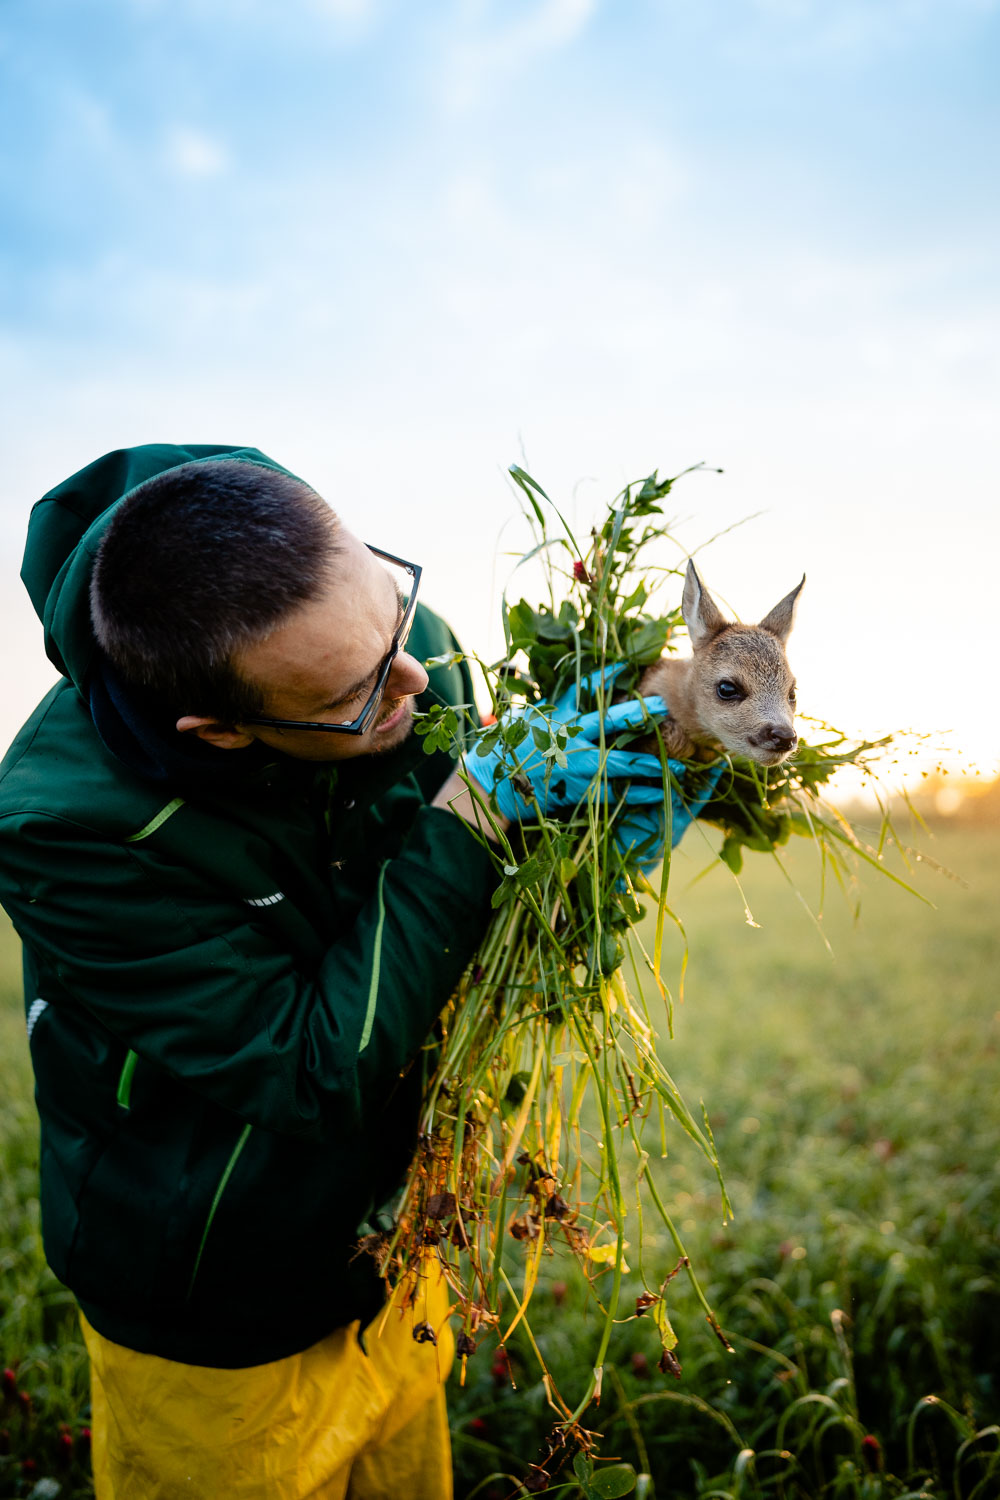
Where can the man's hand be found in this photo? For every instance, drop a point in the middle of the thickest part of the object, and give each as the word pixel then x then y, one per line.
pixel 558 781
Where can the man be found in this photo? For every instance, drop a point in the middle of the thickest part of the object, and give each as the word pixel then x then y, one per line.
pixel 244 895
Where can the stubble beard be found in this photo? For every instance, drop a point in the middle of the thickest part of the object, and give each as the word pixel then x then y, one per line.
pixel 392 739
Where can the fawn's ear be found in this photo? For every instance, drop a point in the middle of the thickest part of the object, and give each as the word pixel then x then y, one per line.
pixel 780 620
pixel 702 615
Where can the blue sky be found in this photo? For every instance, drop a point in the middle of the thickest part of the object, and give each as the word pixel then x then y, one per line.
pixel 399 245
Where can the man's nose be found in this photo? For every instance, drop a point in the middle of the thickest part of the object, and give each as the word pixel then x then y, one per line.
pixel 405 676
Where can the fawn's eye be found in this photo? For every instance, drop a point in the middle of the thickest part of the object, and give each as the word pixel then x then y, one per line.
pixel 728 691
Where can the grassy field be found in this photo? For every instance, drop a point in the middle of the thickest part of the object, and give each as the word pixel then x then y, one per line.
pixel 854 1101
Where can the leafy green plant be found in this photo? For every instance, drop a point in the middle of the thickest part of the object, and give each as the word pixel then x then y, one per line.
pixel 547 1070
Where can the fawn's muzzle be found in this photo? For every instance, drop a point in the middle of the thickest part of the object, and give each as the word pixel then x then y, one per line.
pixel 773 737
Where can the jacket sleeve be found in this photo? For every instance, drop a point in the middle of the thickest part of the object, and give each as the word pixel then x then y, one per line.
pixel 200 989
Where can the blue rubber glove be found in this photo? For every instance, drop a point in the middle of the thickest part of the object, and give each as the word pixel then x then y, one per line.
pixel 641 833
pixel 555 786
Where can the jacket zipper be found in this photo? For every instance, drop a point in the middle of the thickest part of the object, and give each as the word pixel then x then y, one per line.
pixel 230 1164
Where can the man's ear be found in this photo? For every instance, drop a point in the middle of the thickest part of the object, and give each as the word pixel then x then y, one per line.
pixel 214 732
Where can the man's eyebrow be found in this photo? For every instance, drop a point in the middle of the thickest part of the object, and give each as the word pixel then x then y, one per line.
pixel 356 688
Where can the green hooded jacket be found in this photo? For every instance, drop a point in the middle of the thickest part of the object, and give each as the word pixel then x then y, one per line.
pixel 233 961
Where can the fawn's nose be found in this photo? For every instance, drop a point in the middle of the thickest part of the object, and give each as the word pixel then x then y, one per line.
pixel 773 737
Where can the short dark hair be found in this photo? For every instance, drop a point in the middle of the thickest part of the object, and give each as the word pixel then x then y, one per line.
pixel 198 563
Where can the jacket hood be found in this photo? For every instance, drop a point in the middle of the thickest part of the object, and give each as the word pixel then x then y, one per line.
pixel 65 530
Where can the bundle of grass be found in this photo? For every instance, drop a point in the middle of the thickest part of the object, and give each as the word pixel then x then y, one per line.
pixel 546 1070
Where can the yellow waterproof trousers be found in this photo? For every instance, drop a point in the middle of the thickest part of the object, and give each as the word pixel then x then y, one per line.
pixel 331 1423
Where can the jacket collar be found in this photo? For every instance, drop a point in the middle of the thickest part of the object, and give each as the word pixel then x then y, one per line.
pixel 145 740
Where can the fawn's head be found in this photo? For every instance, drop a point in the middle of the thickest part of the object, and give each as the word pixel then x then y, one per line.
pixel 743 688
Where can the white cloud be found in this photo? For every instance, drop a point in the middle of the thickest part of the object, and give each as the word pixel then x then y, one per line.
pixel 854 27
pixel 193 153
pixel 485 52
pixel 350 12
pixel 552 24
pixel 349 17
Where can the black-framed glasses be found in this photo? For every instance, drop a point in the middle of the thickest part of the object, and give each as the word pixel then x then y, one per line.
pixel 412 571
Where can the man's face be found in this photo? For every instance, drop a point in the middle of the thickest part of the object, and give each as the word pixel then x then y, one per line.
pixel 322 662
